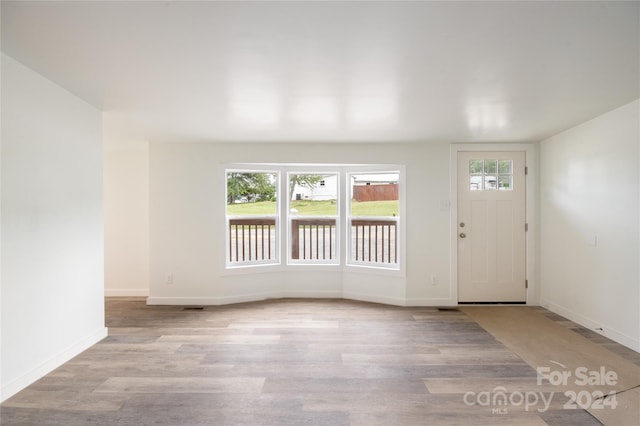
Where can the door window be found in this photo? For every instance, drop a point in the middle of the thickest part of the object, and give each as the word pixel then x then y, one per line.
pixel 490 175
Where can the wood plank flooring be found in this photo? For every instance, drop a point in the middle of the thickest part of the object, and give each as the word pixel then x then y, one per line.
pixel 288 362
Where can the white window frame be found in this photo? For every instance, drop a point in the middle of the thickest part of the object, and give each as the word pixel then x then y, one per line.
pixel 282 260
pixel 331 171
pixel 399 239
pixel 275 261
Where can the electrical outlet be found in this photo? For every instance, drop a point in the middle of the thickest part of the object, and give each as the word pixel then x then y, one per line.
pixel 170 278
pixel 434 280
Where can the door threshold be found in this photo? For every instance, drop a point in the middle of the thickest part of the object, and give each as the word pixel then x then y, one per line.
pixel 491 303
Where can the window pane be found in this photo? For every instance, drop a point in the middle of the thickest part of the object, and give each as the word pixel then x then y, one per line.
pixel 251 218
pixel 504 167
pixel 251 193
pixel 313 210
pixel 490 166
pixel 475 183
pixel 313 194
pixel 373 222
pixel 475 166
pixel 374 194
pixel 490 183
pixel 314 240
pixel 505 183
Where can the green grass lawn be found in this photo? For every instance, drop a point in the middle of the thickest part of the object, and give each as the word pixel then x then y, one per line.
pixel 317 208
pixel 259 208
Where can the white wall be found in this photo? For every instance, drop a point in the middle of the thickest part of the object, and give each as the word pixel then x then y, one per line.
pixel 187 225
pixel 126 216
pixel 589 189
pixel 52 230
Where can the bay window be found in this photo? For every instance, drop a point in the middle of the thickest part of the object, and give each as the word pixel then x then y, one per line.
pixel 330 215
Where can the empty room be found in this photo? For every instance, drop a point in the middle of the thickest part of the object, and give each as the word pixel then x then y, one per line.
pixel 325 213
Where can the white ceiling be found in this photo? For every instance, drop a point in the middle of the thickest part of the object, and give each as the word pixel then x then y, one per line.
pixel 335 71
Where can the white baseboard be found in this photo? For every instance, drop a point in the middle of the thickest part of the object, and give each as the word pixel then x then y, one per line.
pixel 374 298
pixel 130 292
pixel 15 386
pixel 312 294
pixel 593 325
pixel 208 301
pixel 253 297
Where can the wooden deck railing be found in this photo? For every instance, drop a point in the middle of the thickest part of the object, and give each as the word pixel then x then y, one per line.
pixel 252 239
pixel 313 238
pixel 373 240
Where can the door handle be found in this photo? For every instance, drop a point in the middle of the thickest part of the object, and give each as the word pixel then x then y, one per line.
pixel 463 235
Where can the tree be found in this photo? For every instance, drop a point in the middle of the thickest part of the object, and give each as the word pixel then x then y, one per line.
pixel 250 187
pixel 308 181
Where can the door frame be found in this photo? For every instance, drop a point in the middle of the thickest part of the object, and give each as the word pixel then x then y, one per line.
pixel 531 151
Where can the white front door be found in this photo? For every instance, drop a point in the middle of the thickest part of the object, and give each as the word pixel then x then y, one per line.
pixel 491 227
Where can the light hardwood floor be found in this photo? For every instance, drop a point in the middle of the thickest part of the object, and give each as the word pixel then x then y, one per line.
pixel 288 362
